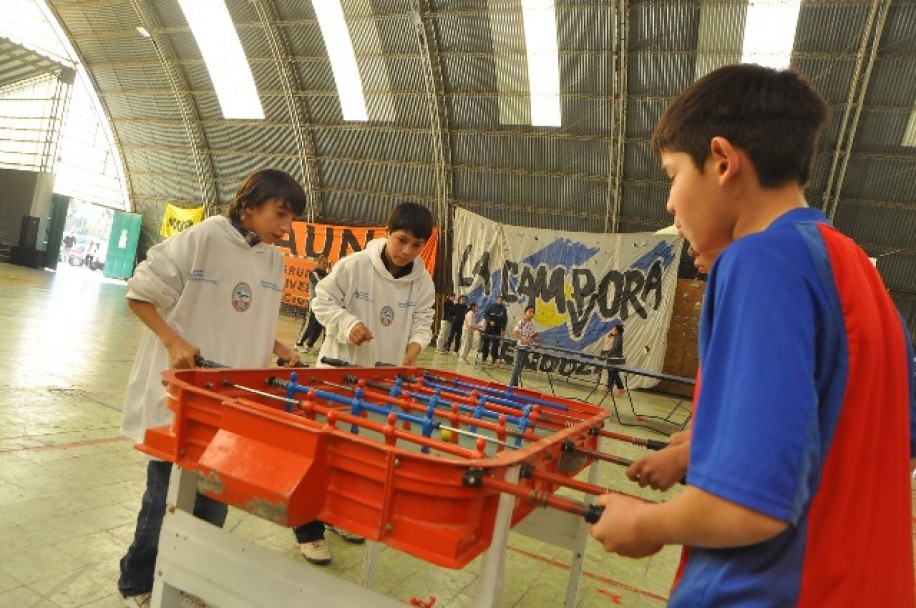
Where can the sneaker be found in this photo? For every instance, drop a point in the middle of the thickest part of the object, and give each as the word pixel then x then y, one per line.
pixel 347 535
pixel 316 552
pixel 302 348
pixel 138 601
pixel 186 600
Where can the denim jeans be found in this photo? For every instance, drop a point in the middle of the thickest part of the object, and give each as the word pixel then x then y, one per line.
pixel 309 531
pixel 138 565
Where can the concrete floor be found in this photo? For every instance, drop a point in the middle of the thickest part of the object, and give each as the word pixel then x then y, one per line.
pixel 70 487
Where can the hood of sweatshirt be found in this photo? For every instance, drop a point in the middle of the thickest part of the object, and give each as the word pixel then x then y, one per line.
pixel 374 250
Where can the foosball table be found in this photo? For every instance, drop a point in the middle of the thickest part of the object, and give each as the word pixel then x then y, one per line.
pixel 428 462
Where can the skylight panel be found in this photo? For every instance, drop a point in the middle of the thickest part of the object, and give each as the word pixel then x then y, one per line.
pixel 543 61
pixel 222 51
pixel 909 136
pixel 343 58
pixel 769 32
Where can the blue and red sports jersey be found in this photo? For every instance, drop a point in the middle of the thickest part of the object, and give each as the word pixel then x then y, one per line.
pixel 805 414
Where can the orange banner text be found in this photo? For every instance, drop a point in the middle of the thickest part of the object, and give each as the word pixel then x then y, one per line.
pixel 308 241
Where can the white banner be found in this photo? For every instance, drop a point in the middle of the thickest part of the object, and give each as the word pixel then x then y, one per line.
pixel 578 282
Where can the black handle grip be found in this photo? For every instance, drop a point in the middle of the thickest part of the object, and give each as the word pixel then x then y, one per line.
pixel 335 362
pixel 593 513
pixel 282 363
pixel 655 444
pixel 201 362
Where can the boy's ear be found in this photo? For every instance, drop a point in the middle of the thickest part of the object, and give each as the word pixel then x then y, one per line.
pixel 725 159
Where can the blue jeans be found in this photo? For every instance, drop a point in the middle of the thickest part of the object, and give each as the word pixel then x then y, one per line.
pixel 139 564
pixel 309 531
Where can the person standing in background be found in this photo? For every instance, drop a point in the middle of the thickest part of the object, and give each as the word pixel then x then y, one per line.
pixel 445 323
pixel 311 328
pixel 471 329
pixel 459 309
pixel 613 349
pixel 495 319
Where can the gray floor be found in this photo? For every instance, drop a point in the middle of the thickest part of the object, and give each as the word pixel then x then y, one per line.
pixel 70 487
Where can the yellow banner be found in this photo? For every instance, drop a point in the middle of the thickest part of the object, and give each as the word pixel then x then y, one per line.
pixel 308 241
pixel 175 219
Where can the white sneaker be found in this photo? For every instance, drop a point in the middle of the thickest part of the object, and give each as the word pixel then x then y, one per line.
pixel 186 600
pixel 347 535
pixel 138 601
pixel 302 348
pixel 316 552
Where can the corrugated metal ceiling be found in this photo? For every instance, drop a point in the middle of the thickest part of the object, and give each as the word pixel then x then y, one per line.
pixel 619 61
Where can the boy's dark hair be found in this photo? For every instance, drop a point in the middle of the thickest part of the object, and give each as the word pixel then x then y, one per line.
pixel 262 186
pixel 774 116
pixel 412 217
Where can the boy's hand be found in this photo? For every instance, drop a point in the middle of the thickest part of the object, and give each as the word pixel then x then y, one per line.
pixel 617 530
pixel 291 359
pixel 662 469
pixel 359 334
pixel 182 354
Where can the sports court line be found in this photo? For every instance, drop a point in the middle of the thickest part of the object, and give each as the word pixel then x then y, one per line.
pixel 592 575
pixel 65 446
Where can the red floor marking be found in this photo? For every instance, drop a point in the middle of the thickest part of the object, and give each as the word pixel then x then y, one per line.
pixel 592 575
pixel 614 597
pixel 66 446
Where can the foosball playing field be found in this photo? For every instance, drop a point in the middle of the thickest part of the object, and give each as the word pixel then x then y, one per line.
pixel 413 458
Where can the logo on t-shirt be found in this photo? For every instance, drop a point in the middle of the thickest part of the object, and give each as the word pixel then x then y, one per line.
pixel 386 317
pixel 241 297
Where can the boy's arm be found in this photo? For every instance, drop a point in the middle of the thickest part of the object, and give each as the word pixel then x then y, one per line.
pixel 181 352
pixel 411 354
pixel 328 304
pixel 635 528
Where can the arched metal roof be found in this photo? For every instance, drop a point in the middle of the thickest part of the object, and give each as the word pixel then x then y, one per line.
pixel 433 65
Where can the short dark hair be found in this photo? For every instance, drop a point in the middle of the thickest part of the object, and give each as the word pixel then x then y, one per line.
pixel 264 185
pixel 774 116
pixel 412 217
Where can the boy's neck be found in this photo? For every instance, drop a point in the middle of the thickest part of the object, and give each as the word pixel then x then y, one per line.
pixel 762 206
pixel 395 271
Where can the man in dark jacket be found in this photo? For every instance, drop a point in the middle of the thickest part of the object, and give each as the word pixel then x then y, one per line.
pixel 495 319
pixel 445 323
pixel 459 309
pixel 311 328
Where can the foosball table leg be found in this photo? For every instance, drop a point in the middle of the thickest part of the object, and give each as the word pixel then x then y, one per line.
pixel 230 572
pixel 181 495
pixel 370 564
pixel 493 566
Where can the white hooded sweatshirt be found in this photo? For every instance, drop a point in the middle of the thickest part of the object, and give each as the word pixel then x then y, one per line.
pixel 396 311
pixel 218 293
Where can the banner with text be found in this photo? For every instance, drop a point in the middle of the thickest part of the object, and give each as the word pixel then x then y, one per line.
pixel 309 241
pixel 175 219
pixel 579 282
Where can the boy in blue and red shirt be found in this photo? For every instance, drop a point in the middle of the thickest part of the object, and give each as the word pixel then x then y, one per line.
pixel 798 479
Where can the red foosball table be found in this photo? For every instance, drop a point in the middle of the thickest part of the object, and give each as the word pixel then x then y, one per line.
pixel 431 463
